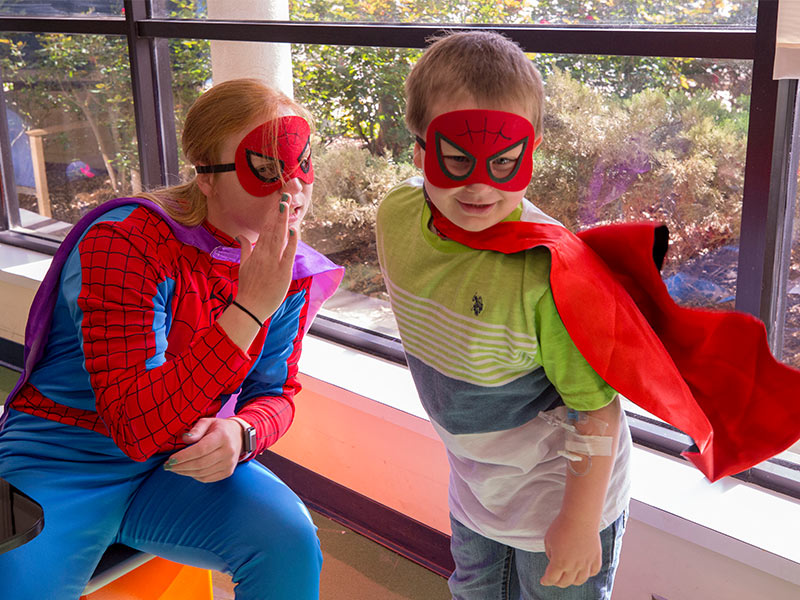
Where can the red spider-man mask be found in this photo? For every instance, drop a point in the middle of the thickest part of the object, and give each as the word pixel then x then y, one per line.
pixel 479 146
pixel 258 171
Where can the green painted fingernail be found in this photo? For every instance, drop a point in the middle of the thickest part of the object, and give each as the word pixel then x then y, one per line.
pixel 284 197
pixel 282 207
pixel 291 232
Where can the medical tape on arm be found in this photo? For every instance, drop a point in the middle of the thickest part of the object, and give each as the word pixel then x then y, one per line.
pixel 589 445
pixel 577 446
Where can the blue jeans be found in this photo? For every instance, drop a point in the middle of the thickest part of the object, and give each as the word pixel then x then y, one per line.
pixel 489 570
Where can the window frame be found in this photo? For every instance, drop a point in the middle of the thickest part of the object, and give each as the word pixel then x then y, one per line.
pixel 769 188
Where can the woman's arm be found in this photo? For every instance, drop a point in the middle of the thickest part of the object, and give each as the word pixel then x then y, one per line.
pixel 124 305
pixel 265 400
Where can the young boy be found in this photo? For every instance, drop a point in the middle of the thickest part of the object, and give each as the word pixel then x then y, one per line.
pixel 537 443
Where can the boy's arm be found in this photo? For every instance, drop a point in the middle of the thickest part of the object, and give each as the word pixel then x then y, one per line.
pixel 572 542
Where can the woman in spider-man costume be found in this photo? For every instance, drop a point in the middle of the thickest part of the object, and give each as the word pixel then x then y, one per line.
pixel 161 355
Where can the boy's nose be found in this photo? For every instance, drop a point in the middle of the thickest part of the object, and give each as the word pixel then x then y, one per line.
pixel 477 188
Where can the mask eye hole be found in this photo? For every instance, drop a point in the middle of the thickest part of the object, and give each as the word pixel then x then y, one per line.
pixel 503 165
pixel 305 158
pixel 454 161
pixel 265 168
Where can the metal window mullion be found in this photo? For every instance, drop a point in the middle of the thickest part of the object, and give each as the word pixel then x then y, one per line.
pixel 144 84
pixel 689 42
pixel 756 277
pixel 786 159
pixel 165 107
pixel 9 206
pixel 67 25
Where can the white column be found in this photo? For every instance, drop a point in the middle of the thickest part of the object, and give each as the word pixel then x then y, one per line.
pixel 269 62
pixel 787 42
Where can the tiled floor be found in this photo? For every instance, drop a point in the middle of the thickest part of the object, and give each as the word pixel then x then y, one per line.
pixel 354 567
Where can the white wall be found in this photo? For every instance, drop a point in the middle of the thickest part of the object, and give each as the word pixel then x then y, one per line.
pixel 656 562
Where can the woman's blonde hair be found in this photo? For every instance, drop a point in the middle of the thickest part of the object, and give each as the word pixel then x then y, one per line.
pixel 478 65
pixel 225 109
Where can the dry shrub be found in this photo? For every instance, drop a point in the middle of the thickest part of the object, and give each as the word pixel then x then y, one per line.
pixel 349 183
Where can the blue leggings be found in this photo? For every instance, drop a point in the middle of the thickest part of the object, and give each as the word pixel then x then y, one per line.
pixel 250 525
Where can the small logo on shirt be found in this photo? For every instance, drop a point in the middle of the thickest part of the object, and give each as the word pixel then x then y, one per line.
pixel 477 304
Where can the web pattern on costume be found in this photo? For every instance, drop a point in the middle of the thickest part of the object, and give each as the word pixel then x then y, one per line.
pixel 146 407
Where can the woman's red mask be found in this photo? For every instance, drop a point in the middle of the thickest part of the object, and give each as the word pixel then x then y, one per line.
pixel 479 146
pixel 261 173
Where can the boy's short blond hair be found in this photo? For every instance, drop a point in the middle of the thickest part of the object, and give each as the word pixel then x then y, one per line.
pixel 479 65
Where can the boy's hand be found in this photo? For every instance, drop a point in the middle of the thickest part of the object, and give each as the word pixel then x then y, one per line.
pixel 574 551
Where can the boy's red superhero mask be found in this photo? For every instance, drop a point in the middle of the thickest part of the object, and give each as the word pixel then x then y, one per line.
pixel 258 171
pixel 479 146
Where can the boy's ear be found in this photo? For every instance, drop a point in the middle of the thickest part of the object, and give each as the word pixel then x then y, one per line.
pixel 418 155
pixel 536 143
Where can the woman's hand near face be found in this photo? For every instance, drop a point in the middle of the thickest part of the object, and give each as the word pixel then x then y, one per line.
pixel 265 272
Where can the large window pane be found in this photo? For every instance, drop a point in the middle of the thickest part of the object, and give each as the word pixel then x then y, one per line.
pixel 624 139
pixel 62 8
pixel 791 331
pixel 540 12
pixel 70 118
pixel 739 13
pixel 618 149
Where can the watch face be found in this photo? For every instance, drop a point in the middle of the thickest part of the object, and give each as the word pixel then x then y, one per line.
pixel 250 439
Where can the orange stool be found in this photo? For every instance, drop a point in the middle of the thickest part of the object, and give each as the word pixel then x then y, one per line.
pixel 143 576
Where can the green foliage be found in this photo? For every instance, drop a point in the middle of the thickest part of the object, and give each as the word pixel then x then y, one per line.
pixel 190 61
pixel 644 12
pixel 60 78
pixel 349 182
pixel 348 186
pixel 356 92
pixel 658 155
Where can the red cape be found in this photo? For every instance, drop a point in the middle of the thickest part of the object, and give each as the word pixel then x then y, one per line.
pixel 709 373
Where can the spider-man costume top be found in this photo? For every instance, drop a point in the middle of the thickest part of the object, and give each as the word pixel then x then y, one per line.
pixel 133 350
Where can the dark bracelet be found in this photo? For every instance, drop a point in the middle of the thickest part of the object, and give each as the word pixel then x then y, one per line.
pixel 242 308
